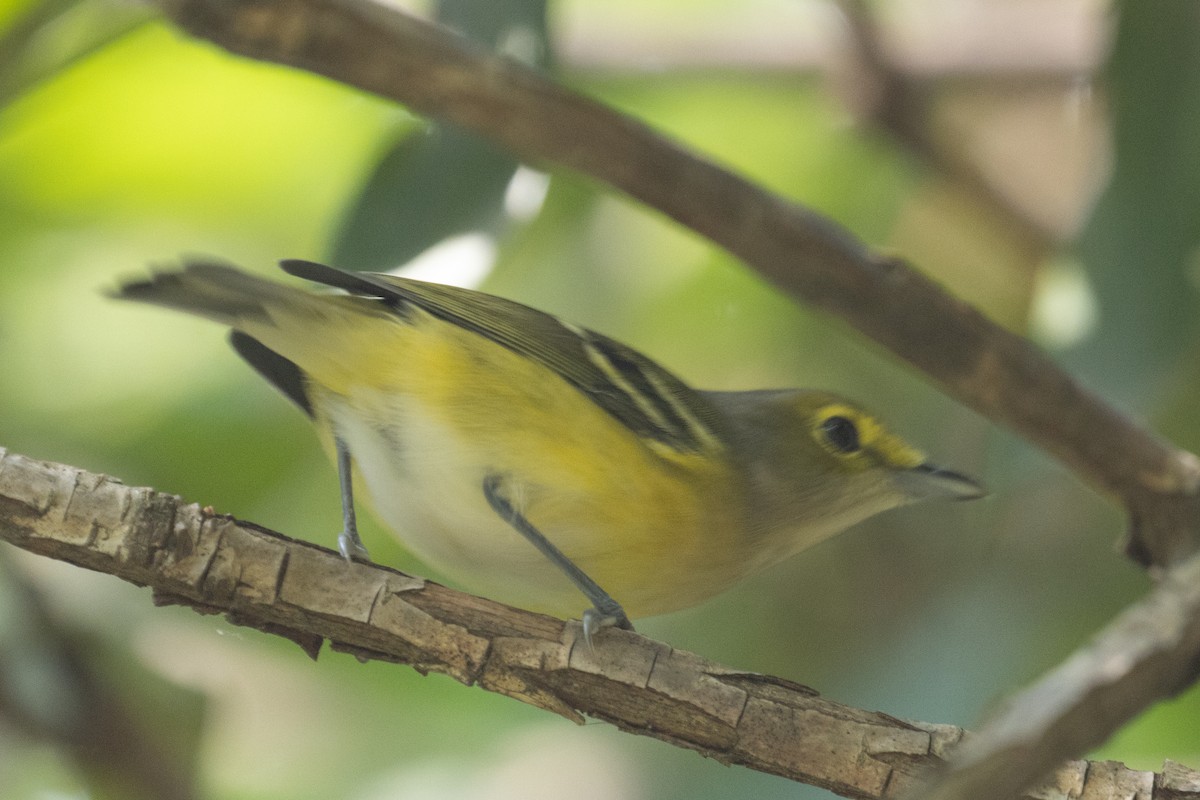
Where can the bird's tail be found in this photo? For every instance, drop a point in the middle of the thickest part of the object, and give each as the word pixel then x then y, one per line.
pixel 214 291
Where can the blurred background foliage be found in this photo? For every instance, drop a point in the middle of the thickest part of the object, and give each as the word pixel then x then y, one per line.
pixel 1046 169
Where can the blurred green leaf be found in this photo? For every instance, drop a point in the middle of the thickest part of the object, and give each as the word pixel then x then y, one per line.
pixel 428 187
pixel 431 186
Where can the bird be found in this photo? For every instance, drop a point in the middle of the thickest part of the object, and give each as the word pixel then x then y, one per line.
pixel 538 462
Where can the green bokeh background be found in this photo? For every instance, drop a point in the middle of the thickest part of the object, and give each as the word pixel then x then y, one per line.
pixel 123 143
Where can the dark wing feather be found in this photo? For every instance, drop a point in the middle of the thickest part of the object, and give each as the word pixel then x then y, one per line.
pixel 643 396
pixel 280 372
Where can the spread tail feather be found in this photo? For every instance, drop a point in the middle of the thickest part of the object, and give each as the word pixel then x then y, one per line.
pixel 214 291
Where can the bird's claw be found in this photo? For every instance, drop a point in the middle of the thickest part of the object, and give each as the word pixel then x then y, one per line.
pixel 595 618
pixel 352 548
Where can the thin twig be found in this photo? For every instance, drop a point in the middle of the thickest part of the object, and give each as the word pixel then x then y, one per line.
pixel 1150 647
pixel 897 103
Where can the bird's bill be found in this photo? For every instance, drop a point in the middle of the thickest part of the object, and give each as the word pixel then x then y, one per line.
pixel 929 481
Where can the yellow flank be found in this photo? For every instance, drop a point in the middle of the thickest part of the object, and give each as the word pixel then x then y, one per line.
pixel 435 407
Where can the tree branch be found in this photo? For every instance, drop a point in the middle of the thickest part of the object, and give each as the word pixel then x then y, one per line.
pixel 261 579
pixel 876 91
pixel 1149 650
pixel 373 46
pixel 368 44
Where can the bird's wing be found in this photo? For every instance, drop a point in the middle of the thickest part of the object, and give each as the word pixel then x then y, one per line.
pixel 643 396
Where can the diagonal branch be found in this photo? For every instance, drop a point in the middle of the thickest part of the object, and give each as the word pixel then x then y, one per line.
pixel 261 579
pixel 370 45
pixel 1149 650
pixel 373 46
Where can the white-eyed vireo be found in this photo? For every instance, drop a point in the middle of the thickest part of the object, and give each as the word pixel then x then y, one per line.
pixel 480 426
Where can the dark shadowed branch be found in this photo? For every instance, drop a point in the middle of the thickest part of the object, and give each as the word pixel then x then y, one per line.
pixel 120 750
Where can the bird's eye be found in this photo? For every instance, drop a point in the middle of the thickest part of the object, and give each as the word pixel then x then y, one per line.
pixel 841 434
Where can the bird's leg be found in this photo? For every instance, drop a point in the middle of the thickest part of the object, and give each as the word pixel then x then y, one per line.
pixel 605 611
pixel 349 542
